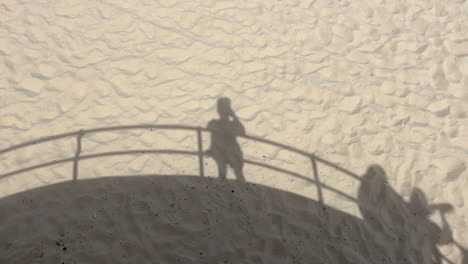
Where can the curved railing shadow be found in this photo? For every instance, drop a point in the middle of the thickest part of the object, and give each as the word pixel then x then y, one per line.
pixel 200 153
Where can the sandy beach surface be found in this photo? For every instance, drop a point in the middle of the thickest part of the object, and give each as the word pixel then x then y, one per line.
pixel 337 131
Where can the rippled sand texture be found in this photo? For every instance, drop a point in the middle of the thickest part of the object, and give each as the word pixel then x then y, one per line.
pixel 355 82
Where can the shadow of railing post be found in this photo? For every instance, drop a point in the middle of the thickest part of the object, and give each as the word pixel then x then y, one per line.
pixel 200 152
pixel 317 180
pixel 77 154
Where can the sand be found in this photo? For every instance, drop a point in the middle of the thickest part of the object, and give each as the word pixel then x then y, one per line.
pixel 355 83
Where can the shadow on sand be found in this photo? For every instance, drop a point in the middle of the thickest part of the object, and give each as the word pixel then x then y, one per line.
pixel 190 219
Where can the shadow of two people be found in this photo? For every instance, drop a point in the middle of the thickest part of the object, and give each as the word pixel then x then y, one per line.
pixel 404 226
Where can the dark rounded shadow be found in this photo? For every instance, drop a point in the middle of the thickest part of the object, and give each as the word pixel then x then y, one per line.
pixel 179 219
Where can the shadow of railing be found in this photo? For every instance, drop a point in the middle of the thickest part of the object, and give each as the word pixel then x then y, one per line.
pixel 78 135
pixel 200 153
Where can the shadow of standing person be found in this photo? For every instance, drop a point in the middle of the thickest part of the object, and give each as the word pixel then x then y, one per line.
pixel 224 148
pixel 378 203
pixel 428 235
pixel 420 209
pixel 402 228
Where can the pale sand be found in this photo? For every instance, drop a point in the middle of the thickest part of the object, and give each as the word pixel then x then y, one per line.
pixel 354 82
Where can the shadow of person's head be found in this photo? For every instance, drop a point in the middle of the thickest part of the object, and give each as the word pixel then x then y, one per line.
pixel 374 180
pixel 375 172
pixel 418 203
pixel 224 107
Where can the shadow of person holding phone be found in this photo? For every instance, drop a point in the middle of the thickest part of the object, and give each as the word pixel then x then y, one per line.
pixel 225 149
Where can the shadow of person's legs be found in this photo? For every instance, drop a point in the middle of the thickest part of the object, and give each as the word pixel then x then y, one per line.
pixel 236 162
pixel 222 167
pixel 238 173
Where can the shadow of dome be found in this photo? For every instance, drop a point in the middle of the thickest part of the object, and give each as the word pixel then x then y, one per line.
pixel 177 219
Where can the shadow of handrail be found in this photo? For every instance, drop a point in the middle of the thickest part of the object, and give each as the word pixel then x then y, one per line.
pixel 80 133
pixel 302 177
pixel 166 151
pixel 304 153
pixel 95 130
pixel 179 127
pixel 98 155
